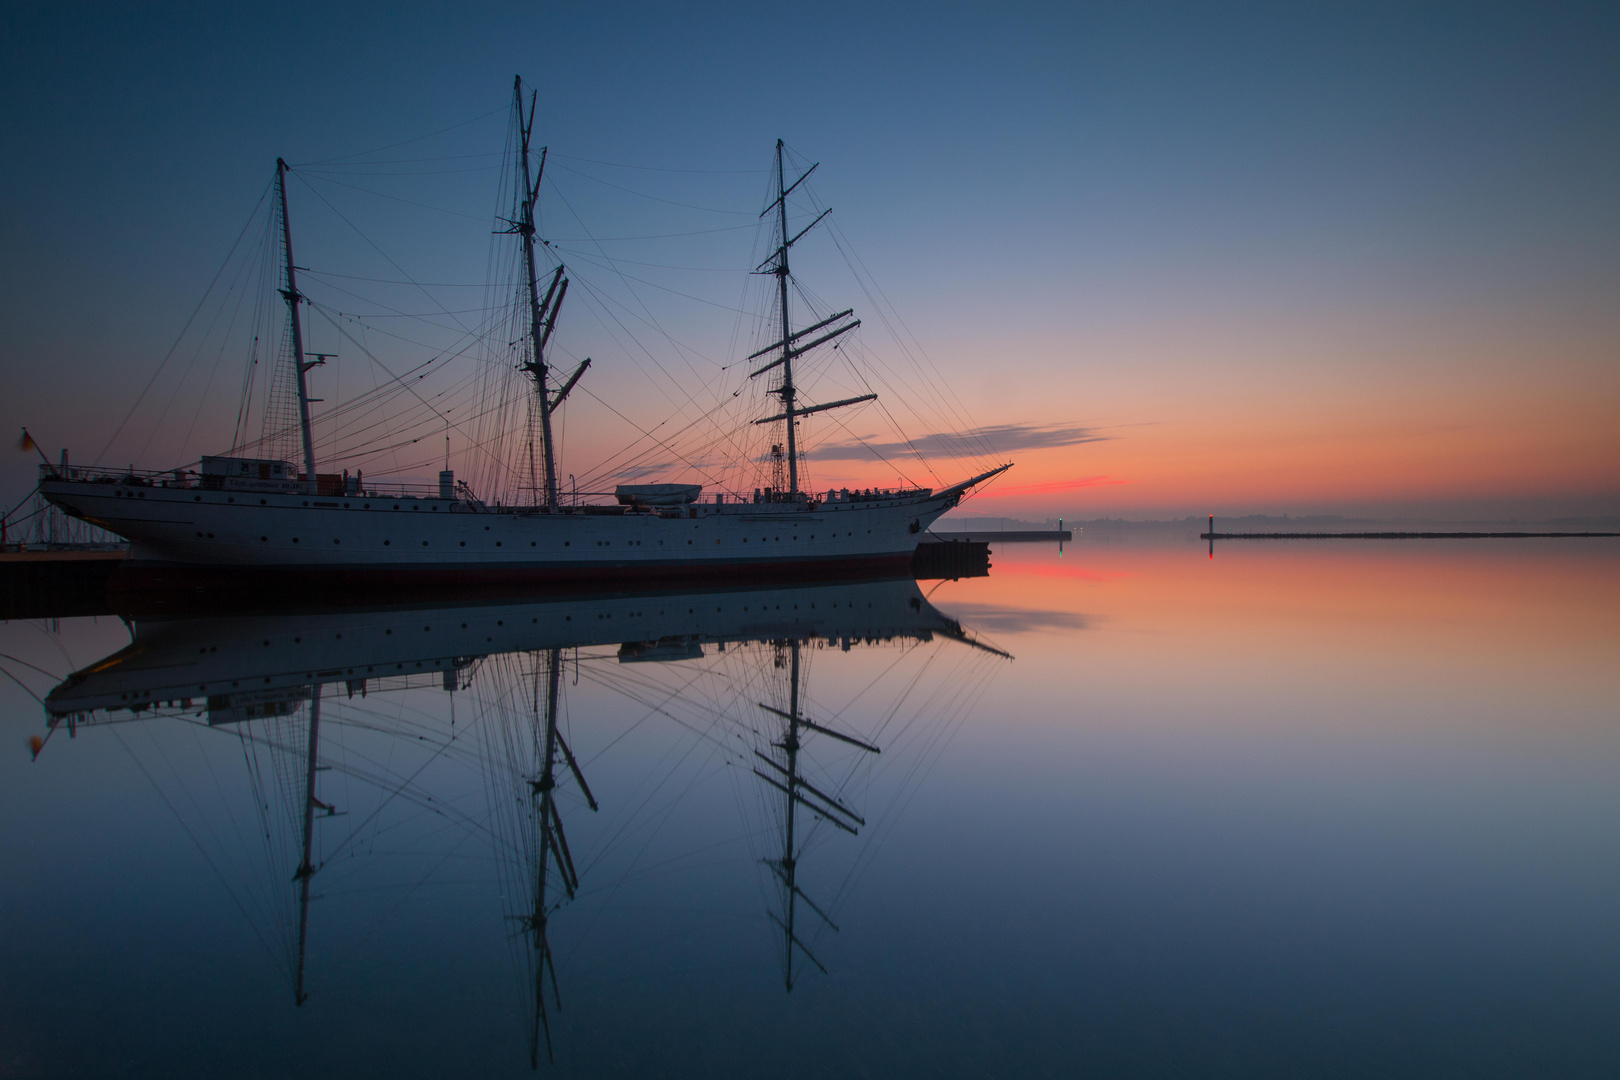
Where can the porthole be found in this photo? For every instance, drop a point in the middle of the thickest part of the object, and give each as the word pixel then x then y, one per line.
pixel 386 543
pixel 194 498
pixel 295 539
pixel 264 539
pixel 464 543
pixel 497 543
pixel 424 543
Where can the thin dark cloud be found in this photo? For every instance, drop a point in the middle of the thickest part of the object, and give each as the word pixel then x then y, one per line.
pixel 677 471
pixel 1004 620
pixel 1001 439
pixel 641 472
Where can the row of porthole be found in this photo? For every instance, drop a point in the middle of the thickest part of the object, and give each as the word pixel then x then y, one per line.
pixel 566 543
pixel 339 637
pixel 231 499
pixel 766 539
pixel 310 675
pixel 532 543
pixel 298 640
pixel 386 543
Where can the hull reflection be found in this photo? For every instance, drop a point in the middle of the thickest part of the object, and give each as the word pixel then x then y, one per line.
pixel 248 659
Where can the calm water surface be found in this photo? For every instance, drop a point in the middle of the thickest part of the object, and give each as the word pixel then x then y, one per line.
pixel 1303 809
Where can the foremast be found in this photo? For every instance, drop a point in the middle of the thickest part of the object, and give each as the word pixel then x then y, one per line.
pixel 788 778
pixel 306 865
pixel 790 350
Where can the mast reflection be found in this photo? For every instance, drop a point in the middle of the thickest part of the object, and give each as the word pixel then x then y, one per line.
pixel 265 676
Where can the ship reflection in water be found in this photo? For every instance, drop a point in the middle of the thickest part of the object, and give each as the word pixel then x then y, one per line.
pixel 367 735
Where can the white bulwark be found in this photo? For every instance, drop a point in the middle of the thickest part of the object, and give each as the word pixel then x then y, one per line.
pixel 192 522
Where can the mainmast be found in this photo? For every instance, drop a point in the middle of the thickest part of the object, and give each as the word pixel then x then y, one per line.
pixel 552 843
pixel 292 296
pixel 542 315
pixel 789 350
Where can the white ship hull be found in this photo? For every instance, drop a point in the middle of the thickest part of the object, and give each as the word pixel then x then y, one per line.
pixel 367 538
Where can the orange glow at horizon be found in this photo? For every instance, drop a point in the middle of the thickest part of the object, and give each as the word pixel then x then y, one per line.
pixel 1302 619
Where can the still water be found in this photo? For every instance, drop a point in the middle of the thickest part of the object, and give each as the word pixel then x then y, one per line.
pixel 1326 808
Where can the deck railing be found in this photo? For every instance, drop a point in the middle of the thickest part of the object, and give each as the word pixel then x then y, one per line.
pixel 338 486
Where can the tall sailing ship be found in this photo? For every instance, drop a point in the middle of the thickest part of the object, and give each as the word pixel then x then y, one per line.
pixel 269 514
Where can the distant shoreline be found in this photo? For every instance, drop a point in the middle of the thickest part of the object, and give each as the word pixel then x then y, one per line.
pixel 1398 535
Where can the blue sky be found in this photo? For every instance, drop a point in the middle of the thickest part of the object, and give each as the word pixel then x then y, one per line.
pixel 1189 226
